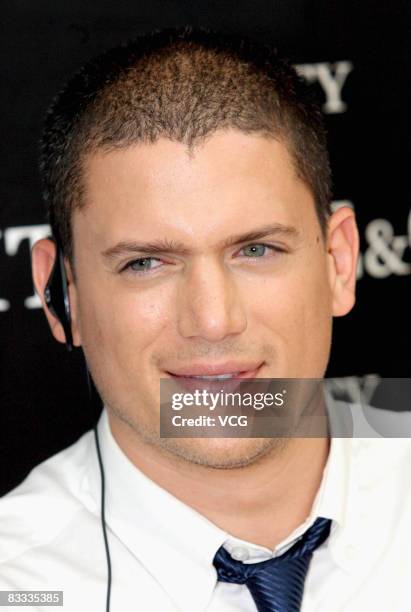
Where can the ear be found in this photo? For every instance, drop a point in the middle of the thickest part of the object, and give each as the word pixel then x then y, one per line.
pixel 43 255
pixel 342 249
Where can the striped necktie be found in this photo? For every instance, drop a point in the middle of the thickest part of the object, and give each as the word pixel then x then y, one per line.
pixel 277 584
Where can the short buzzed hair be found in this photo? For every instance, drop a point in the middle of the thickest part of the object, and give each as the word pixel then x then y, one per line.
pixel 182 84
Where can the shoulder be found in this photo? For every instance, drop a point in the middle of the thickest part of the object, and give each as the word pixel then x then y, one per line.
pixel 376 445
pixel 381 459
pixel 382 439
pixel 358 420
pixel 36 511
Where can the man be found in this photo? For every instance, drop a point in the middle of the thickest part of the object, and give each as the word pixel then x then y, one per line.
pixel 187 177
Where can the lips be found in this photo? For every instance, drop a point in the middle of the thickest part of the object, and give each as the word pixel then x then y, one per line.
pixel 215 369
pixel 183 380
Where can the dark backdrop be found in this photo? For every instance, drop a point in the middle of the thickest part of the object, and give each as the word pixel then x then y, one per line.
pixel 353 53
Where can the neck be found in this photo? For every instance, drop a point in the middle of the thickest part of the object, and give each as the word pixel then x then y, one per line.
pixel 262 502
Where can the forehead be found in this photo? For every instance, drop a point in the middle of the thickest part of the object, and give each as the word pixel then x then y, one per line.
pixel 231 179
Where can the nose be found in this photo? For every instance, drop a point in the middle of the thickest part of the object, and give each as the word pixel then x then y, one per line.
pixel 210 304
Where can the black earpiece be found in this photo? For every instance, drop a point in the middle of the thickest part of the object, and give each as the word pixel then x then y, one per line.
pixel 56 294
pixel 57 299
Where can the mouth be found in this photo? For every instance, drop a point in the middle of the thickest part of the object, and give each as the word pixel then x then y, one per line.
pixel 216 381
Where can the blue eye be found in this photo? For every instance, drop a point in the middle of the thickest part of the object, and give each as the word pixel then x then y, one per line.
pixel 138 265
pixel 258 249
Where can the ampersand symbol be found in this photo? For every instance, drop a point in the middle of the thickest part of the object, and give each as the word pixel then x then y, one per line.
pixel 384 255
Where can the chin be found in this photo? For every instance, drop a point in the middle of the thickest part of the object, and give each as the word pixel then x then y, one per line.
pixel 222 452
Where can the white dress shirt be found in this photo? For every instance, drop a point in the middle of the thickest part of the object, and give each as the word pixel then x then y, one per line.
pixel 162 550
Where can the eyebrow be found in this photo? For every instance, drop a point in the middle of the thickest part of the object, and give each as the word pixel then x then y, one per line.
pixel 173 247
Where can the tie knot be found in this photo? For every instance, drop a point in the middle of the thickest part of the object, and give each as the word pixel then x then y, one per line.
pixel 231 570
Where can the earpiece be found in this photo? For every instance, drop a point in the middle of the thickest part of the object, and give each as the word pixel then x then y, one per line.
pixel 57 299
pixel 56 294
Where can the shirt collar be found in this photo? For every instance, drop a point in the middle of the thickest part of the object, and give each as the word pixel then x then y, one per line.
pixel 329 502
pixel 174 541
pixel 171 539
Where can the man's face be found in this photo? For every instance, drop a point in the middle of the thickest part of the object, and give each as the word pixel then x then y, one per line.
pixel 269 306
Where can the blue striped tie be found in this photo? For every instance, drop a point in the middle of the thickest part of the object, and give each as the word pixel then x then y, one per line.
pixel 277 584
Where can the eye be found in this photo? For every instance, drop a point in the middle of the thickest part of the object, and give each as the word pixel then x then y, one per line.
pixel 257 251
pixel 141 265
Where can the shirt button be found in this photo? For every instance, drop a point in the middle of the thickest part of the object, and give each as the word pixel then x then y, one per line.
pixel 239 553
